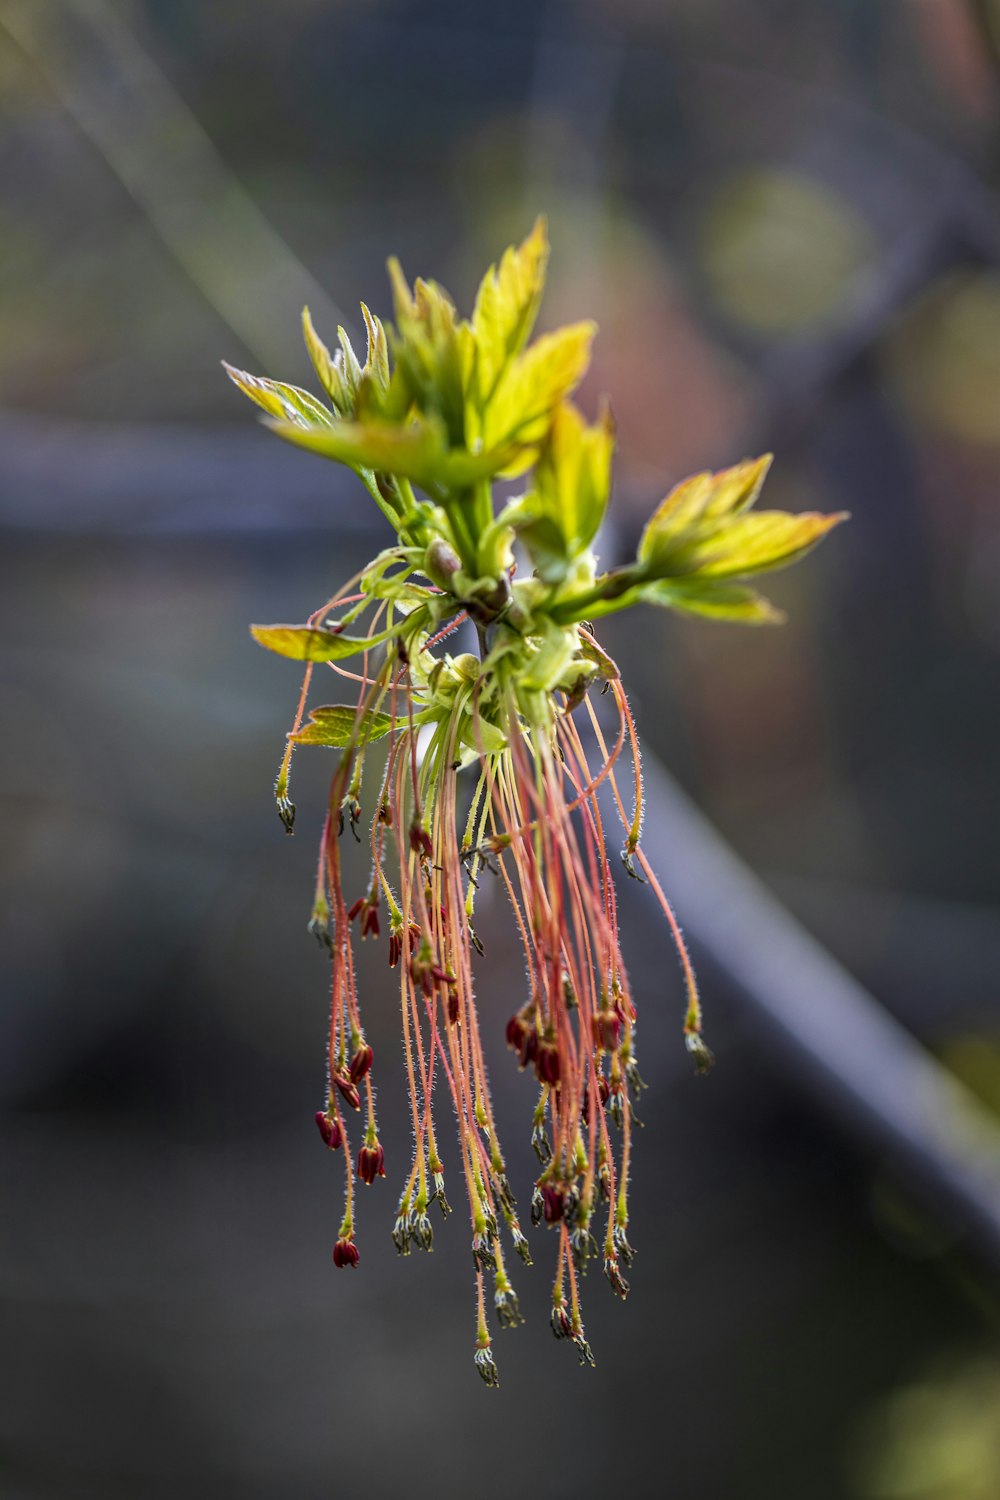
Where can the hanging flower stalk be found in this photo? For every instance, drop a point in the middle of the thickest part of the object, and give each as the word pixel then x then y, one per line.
pixel 494 761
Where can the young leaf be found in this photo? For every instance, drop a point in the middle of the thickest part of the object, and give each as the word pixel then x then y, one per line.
pixel 428 349
pixel 702 528
pixel 702 498
pixel 329 367
pixel 377 363
pixel 412 452
pixel 506 307
pixel 715 601
pixel 532 386
pixel 749 544
pixel 285 402
pixel 336 725
pixel 416 451
pixel 572 483
pixel 309 643
pixel 352 365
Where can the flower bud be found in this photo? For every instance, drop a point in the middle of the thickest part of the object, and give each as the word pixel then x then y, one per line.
pixel 345 1253
pixel 420 840
pixel 361 1062
pixel 547 1064
pixel 348 1090
pixel 553 1203
pixel 607 1030
pixel 603 1093
pixel 329 1129
pixel 522 1036
pixel 441 563
pixel 371 1163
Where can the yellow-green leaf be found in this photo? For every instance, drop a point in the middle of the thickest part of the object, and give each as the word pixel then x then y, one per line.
pixel 715 601
pixel 287 403
pixel 336 725
pixel 506 307
pixel 329 367
pixel 416 451
pixel 703 498
pixel 412 451
pixel 310 643
pixel 533 385
pixel 749 544
pixel 573 478
pixel 352 365
pixel 377 363
pixel 561 514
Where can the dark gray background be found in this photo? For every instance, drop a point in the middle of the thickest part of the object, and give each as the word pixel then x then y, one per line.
pixel 784 217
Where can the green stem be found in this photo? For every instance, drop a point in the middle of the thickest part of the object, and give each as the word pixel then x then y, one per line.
pixel 606 595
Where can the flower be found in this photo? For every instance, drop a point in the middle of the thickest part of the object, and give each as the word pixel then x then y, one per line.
pixel 522 735
pixel 371 1163
pixel 345 1253
pixel 361 1062
pixel 329 1129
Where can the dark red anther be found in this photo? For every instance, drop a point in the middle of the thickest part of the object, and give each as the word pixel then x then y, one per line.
pixel 515 1032
pixel 348 1090
pixel 345 1253
pixel 361 1062
pixel 369 922
pixel 607 1030
pixel 623 1006
pixel 355 909
pixel 603 1093
pixel 522 1037
pixel 452 1005
pixel 425 971
pixel 395 948
pixel 547 1064
pixel 371 1163
pixel 329 1129
pixel 553 1203
pixel 420 840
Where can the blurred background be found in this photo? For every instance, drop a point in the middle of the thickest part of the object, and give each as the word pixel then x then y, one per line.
pixel 784 216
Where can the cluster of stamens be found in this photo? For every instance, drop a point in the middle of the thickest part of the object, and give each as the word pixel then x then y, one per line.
pixel 534 820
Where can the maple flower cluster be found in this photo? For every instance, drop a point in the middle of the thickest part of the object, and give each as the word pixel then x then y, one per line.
pixel 496 760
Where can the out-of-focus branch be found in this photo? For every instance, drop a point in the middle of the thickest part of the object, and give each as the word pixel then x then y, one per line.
pixel 829 1033
pixel 126 106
